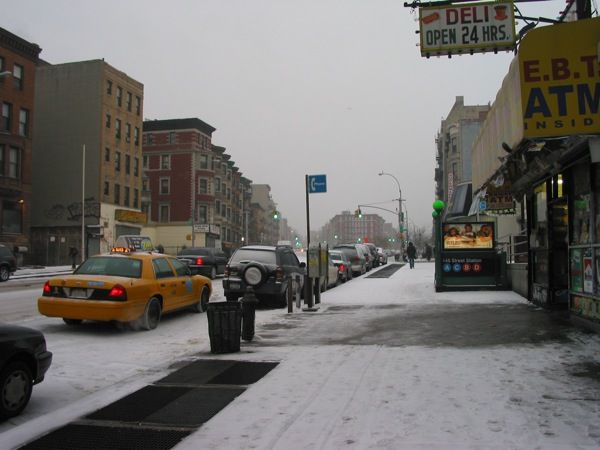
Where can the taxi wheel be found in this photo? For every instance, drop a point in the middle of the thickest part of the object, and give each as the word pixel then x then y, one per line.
pixel 16 383
pixel 202 304
pixel 152 313
pixel 72 321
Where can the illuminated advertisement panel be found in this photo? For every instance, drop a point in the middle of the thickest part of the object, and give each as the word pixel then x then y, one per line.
pixel 468 236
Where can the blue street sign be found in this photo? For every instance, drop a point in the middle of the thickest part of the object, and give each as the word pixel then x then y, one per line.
pixel 482 205
pixel 317 184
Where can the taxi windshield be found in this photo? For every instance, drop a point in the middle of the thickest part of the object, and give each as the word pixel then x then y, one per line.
pixel 107 265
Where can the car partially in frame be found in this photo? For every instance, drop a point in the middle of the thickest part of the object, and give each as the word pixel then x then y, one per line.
pixel 24 360
pixel 125 286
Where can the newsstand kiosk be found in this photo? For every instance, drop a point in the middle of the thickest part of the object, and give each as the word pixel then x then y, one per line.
pixel 466 257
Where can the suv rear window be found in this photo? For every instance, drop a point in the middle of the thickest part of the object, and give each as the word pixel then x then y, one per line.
pixel 262 256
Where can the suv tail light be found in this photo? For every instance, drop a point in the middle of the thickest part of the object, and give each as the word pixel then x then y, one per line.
pixel 199 262
pixel 341 268
pixel 227 271
pixel 279 274
pixel 118 292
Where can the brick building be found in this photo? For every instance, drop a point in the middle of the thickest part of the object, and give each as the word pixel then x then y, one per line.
pixel 18 61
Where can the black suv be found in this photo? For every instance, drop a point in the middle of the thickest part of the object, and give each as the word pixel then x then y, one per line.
pixel 267 269
pixel 8 263
pixel 206 261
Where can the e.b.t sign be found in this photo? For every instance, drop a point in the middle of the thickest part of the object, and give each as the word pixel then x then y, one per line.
pixel 317 184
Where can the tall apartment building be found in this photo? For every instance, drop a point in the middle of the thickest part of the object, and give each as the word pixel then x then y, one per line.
pixel 454 145
pixel 193 193
pixel 91 109
pixel 18 61
pixel 267 227
pixel 348 228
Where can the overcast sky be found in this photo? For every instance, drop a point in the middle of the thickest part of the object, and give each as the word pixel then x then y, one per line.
pixel 335 87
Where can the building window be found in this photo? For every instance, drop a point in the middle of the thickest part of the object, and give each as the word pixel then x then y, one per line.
pixel 107 154
pixel 218 207
pixel 118 128
pixel 18 74
pixel 223 188
pixel 204 161
pixel 136 136
pixel 1 67
pixel 119 95
pixel 203 214
pixel 23 122
pixel 106 188
pixel 164 185
pixel 126 196
pixel 127 132
pixel 108 87
pixel 145 184
pixel 163 213
pixel 127 164
pixel 117 161
pixel 117 194
pixel 165 162
pixel 136 167
pixel 2 159
pixel 217 184
pixel 171 137
pixel 138 105
pixel 136 196
pixel 6 117
pixel 223 210
pixel 14 163
pixel 11 217
pixel 145 161
pixel 128 101
pixel 150 139
pixel 203 186
pixel 107 121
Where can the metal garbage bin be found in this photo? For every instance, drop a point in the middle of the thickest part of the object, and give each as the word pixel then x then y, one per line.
pixel 224 326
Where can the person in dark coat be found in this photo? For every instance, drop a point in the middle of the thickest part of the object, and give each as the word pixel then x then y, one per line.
pixel 411 252
pixel 73 254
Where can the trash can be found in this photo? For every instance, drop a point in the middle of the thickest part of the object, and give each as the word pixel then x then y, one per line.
pixel 224 326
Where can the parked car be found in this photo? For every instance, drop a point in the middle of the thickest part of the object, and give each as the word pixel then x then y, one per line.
pixel 8 263
pixel 356 257
pixel 367 254
pixel 125 286
pixel 343 264
pixel 382 256
pixel 267 269
pixel 24 361
pixel 206 261
pixel 373 252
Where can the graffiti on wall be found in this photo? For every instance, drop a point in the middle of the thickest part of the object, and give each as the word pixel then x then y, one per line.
pixel 585 307
pixel 72 211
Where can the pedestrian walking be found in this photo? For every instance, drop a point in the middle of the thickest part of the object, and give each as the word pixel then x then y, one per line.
pixel 411 252
pixel 428 252
pixel 73 254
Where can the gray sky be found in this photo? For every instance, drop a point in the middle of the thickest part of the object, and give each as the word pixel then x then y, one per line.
pixel 335 87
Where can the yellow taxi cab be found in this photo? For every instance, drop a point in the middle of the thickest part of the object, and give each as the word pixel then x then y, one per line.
pixel 125 286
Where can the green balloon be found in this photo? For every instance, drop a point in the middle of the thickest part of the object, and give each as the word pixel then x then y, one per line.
pixel 438 205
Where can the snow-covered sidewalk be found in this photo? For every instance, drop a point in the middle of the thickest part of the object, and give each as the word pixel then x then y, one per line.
pixel 380 396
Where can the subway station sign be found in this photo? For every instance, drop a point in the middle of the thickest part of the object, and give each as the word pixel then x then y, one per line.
pixel 559 68
pixel 466 28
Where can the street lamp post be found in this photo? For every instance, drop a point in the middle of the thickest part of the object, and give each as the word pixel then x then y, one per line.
pixel 399 205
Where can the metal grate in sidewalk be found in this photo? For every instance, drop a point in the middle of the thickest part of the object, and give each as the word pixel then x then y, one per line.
pixel 387 271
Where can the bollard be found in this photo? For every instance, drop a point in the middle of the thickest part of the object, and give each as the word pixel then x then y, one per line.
pixel 249 302
pixel 290 295
pixel 298 296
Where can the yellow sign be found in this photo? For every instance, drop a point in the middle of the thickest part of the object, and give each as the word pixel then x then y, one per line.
pixel 127 215
pixel 466 28
pixel 560 79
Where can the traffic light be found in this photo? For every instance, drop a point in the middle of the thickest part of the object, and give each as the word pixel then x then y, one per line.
pixel 275 215
pixel 358 213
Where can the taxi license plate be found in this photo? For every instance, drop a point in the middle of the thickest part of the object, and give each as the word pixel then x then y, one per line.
pixel 234 285
pixel 79 293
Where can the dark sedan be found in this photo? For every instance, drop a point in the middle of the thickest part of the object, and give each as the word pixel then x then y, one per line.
pixel 206 261
pixel 24 361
